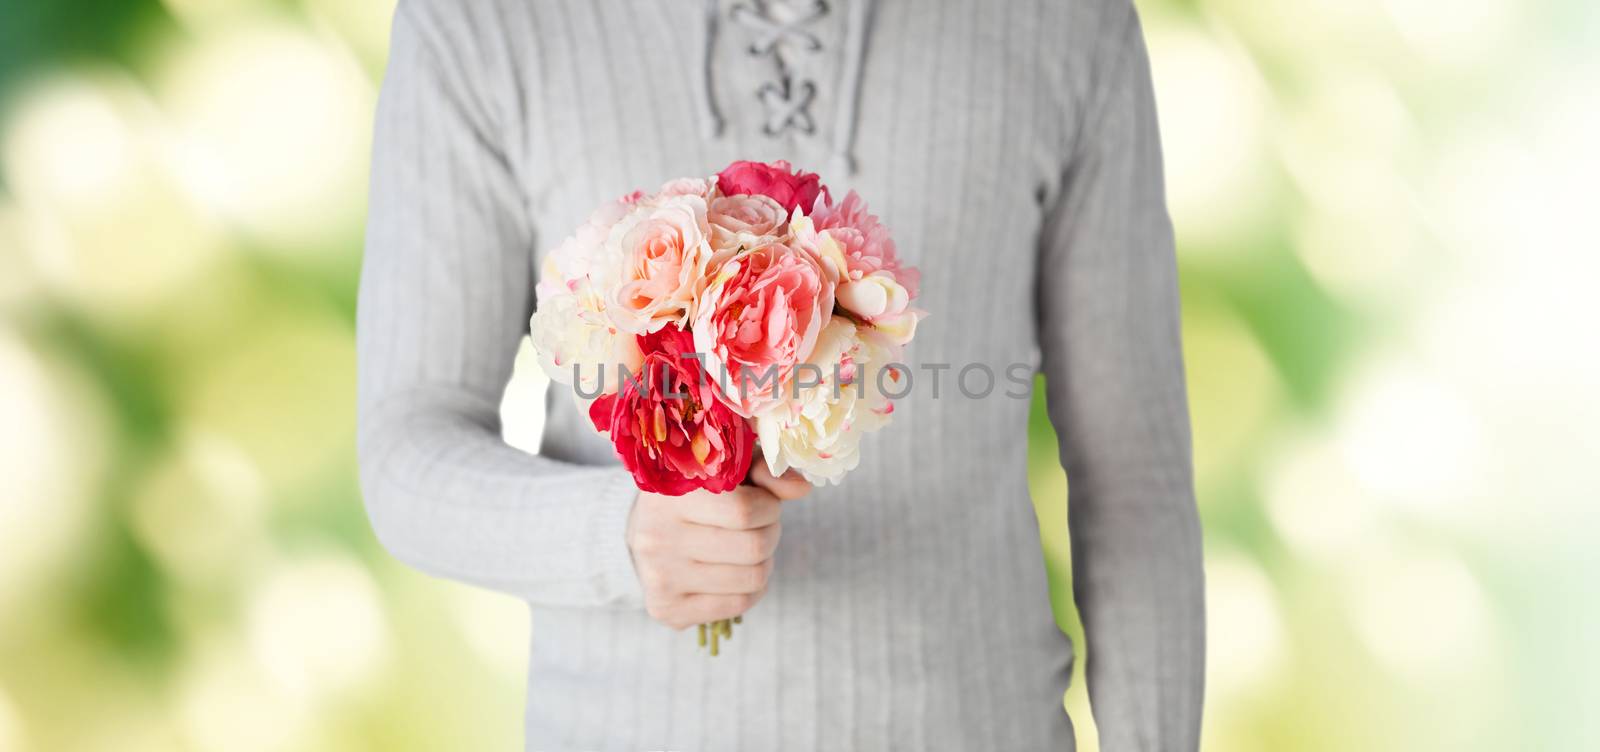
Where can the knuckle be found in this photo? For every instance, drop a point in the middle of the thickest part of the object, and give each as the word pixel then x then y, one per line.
pixel 752 579
pixel 752 547
pixel 651 541
pixel 741 513
pixel 659 611
pixel 752 495
pixel 775 533
pixel 653 580
pixel 773 505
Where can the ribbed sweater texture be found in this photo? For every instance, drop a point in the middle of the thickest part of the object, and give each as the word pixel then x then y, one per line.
pixel 1012 149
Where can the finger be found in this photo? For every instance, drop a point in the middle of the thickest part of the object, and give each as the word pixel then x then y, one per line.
pixel 725 579
pixel 715 545
pixel 703 609
pixel 787 487
pixel 744 508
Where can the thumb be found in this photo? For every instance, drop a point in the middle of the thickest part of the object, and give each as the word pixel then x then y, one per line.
pixel 788 487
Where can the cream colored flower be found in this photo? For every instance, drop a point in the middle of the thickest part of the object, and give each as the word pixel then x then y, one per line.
pixel 827 251
pixel 817 428
pixel 880 300
pixel 579 346
pixel 575 339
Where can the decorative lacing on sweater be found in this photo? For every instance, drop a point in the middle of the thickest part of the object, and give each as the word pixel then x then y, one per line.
pixel 1012 148
pixel 788 100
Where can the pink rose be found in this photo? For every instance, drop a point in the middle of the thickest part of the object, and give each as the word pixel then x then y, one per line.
pixel 758 319
pixel 685 187
pixel 746 220
pixel 669 429
pixel 656 262
pixel 779 181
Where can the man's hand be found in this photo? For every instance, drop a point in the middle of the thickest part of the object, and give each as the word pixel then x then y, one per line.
pixel 704 556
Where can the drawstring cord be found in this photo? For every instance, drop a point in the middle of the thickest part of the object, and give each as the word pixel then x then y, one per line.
pixel 711 119
pixel 842 161
pixel 769 31
pixel 788 102
pixel 787 107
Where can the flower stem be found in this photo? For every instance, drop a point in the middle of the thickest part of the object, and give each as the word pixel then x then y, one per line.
pixel 719 630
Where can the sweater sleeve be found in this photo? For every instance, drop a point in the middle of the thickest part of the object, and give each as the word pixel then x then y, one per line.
pixel 446 291
pixel 1113 364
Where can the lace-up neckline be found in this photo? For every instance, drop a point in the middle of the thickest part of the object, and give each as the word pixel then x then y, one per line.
pixel 769 31
pixel 779 29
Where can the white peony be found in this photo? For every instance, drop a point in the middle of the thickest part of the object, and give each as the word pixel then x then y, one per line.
pixel 880 300
pixel 574 337
pixel 818 431
pixel 570 329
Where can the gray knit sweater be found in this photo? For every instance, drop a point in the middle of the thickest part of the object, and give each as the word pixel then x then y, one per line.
pixel 1012 149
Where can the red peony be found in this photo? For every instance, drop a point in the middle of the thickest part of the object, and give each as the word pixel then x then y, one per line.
pixel 667 425
pixel 777 180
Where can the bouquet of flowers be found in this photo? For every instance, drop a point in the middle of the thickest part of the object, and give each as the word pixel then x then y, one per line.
pixel 721 315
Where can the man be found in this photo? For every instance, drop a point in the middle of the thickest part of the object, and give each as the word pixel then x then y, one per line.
pixel 1012 149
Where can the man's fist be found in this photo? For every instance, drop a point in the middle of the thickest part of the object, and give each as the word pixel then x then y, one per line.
pixel 702 556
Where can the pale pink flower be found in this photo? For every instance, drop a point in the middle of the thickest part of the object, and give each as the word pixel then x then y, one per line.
pixel 746 220
pixel 573 260
pixel 866 243
pixel 701 187
pixel 873 285
pixel 653 263
pixel 574 337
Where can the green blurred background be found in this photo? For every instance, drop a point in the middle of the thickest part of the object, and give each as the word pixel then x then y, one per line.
pixel 1384 215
